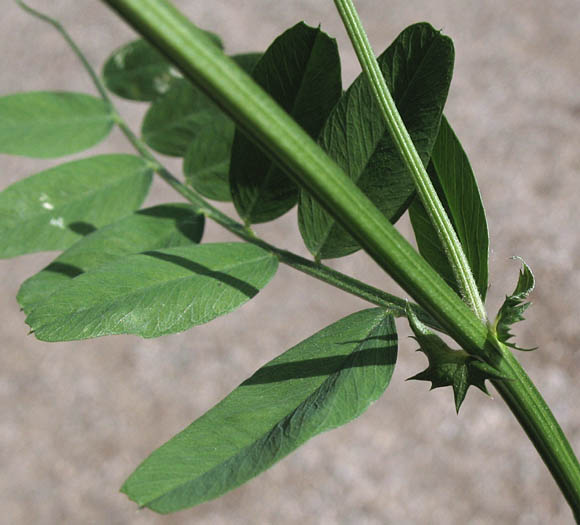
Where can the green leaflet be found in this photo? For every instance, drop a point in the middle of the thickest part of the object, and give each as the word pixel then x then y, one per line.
pixel 163 226
pixel 174 120
pixel 301 71
pixel 324 382
pixel 514 306
pixel 206 164
pixel 247 61
pixel 456 186
pixel 417 68
pixel 447 367
pixel 47 124
pixel 55 208
pixel 137 71
pixel 154 293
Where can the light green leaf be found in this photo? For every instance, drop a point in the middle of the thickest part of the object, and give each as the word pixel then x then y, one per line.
pixel 514 306
pixel 55 208
pixel 447 367
pixel 154 293
pixel 44 124
pixel 301 71
pixel 174 120
pixel 163 226
pixel 322 383
pixel 417 68
pixel 137 71
pixel 456 186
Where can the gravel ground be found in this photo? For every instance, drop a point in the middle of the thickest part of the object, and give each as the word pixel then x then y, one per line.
pixel 78 417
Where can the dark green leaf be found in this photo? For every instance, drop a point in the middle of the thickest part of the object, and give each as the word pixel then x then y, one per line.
pixel 55 208
pixel 514 306
pixel 174 120
pixel 44 124
pixel 247 61
pixel 301 71
pixel 418 68
pixel 137 71
pixel 320 384
pixel 207 162
pixel 447 367
pixel 154 228
pixel 456 186
pixel 154 293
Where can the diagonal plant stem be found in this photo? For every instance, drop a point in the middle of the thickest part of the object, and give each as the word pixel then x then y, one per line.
pixel 324 273
pixel 407 150
pixel 266 123
pixel 262 119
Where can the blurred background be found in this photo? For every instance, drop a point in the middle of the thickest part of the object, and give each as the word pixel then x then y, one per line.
pixel 77 418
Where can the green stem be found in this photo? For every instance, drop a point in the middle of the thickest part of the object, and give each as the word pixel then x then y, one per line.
pixel 409 154
pixel 394 304
pixel 254 111
pixel 538 422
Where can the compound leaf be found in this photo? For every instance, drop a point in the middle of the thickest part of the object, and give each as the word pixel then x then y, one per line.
pixel 137 71
pixel 48 124
pixel 324 382
pixel 55 208
pixel 417 68
pixel 301 71
pixel 453 178
pixel 155 228
pixel 514 306
pixel 154 293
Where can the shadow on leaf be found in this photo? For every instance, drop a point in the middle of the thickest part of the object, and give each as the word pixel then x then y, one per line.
pixel 377 356
pixel 247 289
pixel 82 228
pixel 65 269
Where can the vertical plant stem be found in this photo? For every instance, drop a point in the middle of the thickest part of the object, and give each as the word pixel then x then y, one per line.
pixel 407 150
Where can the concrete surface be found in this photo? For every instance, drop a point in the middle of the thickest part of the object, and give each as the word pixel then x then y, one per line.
pixel 76 418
